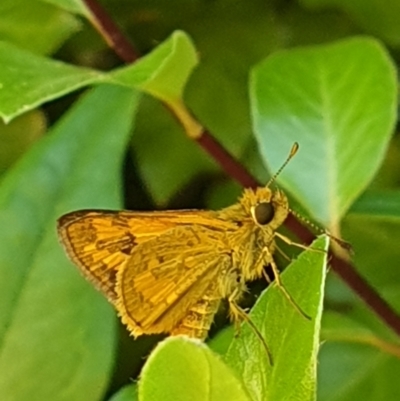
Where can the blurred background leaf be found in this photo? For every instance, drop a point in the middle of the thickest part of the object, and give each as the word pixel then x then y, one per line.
pixel 36 26
pixel 322 103
pixel 57 334
pixel 378 18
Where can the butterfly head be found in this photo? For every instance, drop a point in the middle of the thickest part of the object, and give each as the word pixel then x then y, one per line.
pixel 266 207
pixel 269 208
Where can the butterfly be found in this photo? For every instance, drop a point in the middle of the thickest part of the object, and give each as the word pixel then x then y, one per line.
pixel 167 271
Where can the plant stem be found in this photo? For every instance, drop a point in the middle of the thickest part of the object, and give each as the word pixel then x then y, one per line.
pixel 111 33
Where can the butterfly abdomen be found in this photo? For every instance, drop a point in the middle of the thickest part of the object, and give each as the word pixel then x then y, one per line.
pixel 198 320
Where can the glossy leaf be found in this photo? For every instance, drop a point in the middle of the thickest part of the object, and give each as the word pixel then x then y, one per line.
pixel 21 20
pixel 181 369
pixel 127 393
pixel 57 336
pixel 378 204
pixel 18 136
pixel 292 339
pixel 316 96
pixel 73 6
pixel 356 361
pixel 28 80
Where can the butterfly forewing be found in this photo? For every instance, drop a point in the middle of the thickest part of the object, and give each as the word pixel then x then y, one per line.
pixel 100 242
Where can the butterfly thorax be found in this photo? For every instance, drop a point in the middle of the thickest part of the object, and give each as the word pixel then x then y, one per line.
pixel 257 216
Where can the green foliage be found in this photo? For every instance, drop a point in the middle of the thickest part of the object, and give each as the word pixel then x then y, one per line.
pixel 54 328
pixel 179 369
pixel 36 26
pixel 336 98
pixel 379 19
pixel 127 393
pixel 290 335
pixel 323 102
pixel 31 80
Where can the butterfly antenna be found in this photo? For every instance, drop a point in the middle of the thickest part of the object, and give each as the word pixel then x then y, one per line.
pixel 293 151
pixel 342 243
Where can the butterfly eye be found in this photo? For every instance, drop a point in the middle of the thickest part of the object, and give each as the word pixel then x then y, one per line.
pixel 264 213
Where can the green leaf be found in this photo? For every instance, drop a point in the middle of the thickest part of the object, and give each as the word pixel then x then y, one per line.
pixel 22 21
pixel 222 341
pixel 378 204
pixel 350 372
pixel 18 136
pixel 164 72
pixel 292 339
pixel 376 246
pixel 230 40
pixel 181 369
pixel 355 362
pixel 361 355
pixel 165 157
pixel 56 332
pixel 338 102
pixel 127 393
pixel 28 80
pixel 73 6
pixel 359 325
pixel 375 17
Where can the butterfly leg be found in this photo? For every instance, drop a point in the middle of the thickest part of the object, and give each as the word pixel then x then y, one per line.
pixel 301 246
pixel 238 315
pixel 280 285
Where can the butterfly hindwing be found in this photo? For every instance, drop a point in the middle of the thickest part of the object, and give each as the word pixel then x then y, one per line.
pixel 167 275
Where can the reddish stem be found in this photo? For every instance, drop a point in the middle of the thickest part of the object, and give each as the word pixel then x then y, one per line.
pixel 111 32
pixel 231 166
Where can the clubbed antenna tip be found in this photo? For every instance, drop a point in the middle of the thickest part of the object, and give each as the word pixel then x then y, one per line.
pixel 293 151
